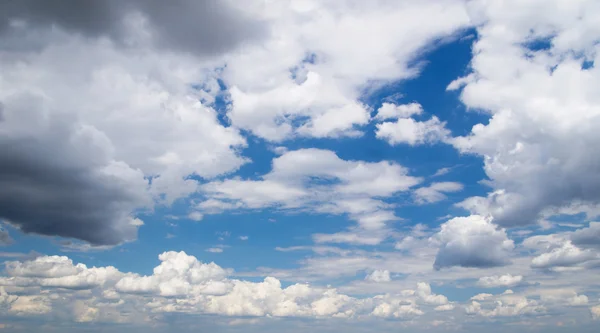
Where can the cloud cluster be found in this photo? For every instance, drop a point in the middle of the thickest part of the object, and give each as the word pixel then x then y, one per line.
pixel 472 241
pixel 565 251
pixel 506 304
pixel 435 192
pixel 532 74
pixel 318 181
pixel 321 57
pixel 92 131
pixel 181 283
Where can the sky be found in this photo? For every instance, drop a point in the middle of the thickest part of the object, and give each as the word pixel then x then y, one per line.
pixel 293 165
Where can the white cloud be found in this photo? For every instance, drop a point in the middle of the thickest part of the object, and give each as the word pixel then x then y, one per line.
pixel 412 132
pixel 379 276
pixel 244 238
pixel 542 102
pixel 178 274
pixel 318 181
pixel 117 116
pixel 441 172
pixel 567 255
pixel 425 294
pixel 181 283
pixel 214 250
pixel 471 241
pixel 504 305
pixel 317 41
pixel 435 192
pixel 392 111
pixel 495 281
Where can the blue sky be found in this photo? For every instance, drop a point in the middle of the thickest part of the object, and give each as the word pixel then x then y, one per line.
pixel 426 166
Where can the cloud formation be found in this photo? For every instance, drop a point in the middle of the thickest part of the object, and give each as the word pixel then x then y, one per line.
pixel 471 241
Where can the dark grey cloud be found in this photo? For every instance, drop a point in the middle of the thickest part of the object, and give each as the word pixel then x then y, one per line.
pixel 202 27
pixel 587 237
pixel 5 238
pixel 57 177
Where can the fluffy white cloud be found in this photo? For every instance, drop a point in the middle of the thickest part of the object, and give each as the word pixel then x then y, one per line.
pixel 379 276
pixel 425 294
pixel 564 256
pixel 495 281
pixel 57 272
pixel 181 283
pixel 529 75
pixel 412 132
pixel 435 192
pixel 392 111
pixel 178 274
pixel 307 78
pixel 504 305
pixel 471 241
pixel 116 115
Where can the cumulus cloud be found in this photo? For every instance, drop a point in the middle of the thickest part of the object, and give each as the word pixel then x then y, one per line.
pixel 496 281
pixel 504 305
pixel 125 122
pixel 181 283
pixel 412 132
pixel 312 74
pixel 392 111
pixel 542 102
pixel 379 276
pixel 471 241
pixel 566 255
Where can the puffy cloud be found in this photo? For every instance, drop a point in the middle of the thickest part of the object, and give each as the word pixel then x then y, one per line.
pixel 181 283
pixel 495 281
pixel 392 111
pixel 412 132
pixel 435 192
pixel 504 305
pixel 379 276
pixel 529 74
pixel 566 255
pixel 397 310
pixel 425 294
pixel 57 272
pixel 178 274
pixel 117 116
pixel 312 74
pixel 471 241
